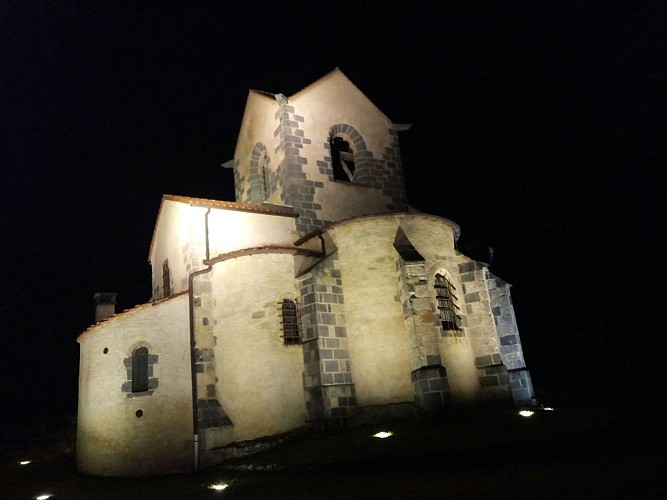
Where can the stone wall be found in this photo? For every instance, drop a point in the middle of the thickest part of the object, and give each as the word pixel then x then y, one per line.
pixel 428 376
pixel 492 374
pixel 298 169
pixel 327 376
pixel 378 343
pixel 214 425
pixel 258 378
pixel 511 351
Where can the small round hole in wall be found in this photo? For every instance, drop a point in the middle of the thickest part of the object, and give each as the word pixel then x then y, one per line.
pixel 139 413
pixel 106 350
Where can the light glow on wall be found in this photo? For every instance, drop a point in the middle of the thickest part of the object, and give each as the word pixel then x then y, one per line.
pixel 383 434
pixel 526 413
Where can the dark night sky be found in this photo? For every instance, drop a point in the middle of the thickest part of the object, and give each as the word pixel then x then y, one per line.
pixel 539 130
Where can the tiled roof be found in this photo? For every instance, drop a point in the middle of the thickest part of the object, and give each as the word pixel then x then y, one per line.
pixel 259 208
pixel 94 326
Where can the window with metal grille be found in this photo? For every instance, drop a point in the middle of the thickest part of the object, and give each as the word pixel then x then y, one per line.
pixel 342 159
pixel 140 370
pixel 290 316
pixel 446 306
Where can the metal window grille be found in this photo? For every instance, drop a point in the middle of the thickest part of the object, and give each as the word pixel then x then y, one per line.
pixel 140 370
pixel 290 317
pixel 446 306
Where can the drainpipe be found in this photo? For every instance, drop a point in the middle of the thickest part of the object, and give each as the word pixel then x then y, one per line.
pixel 193 360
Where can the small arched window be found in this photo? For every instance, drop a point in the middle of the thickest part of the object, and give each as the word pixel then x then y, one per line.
pixel 290 317
pixel 445 297
pixel 257 175
pixel 140 369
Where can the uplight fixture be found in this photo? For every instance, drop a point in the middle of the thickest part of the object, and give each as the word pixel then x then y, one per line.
pixel 526 413
pixel 383 434
pixel 25 462
pixel 217 486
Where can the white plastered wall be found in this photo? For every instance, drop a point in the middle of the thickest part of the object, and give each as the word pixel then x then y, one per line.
pixel 179 237
pixel 111 439
pixel 378 343
pixel 260 382
pixel 231 230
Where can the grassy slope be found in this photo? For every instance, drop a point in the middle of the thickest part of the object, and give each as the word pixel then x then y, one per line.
pixel 565 453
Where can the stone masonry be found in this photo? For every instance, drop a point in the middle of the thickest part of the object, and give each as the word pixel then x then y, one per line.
pixel 328 385
pixel 211 418
pixel 257 173
pixel 493 377
pixel 290 176
pixel 498 353
pixel 429 377
pixel 511 352
pixel 297 190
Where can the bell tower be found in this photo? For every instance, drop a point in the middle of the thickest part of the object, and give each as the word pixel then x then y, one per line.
pixel 327 151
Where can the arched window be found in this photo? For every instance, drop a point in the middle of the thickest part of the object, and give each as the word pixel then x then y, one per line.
pixel 257 178
pixel 342 159
pixel 140 369
pixel 449 320
pixel 166 279
pixel 290 317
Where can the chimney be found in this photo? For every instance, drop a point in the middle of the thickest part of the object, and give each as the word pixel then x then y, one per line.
pixel 105 305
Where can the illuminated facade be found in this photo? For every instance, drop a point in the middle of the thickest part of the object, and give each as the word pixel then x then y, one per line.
pixel 320 295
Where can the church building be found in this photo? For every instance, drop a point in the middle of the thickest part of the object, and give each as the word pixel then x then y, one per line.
pixel 318 297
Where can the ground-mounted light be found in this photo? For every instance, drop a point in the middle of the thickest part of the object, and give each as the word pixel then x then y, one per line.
pixel 383 434
pixel 43 496
pixel 217 486
pixel 25 462
pixel 526 413
pixel 548 408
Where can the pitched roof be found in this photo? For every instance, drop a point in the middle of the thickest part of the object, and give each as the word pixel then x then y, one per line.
pixel 332 73
pixel 260 208
pixel 126 312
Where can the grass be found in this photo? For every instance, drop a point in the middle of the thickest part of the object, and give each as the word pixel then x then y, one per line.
pixel 561 454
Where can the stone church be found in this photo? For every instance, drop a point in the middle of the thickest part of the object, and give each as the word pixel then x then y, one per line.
pixel 319 296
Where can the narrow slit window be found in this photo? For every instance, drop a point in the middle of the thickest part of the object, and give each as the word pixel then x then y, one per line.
pixel 342 159
pixel 445 297
pixel 290 316
pixel 166 279
pixel 265 176
pixel 140 370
